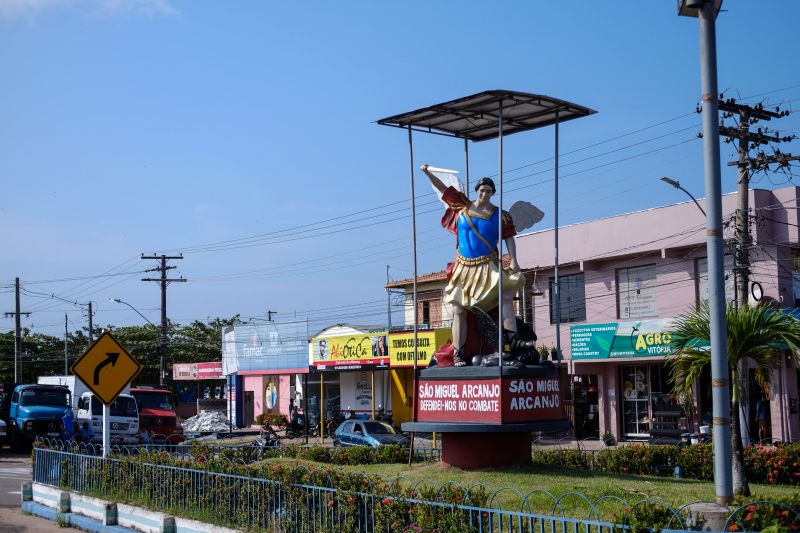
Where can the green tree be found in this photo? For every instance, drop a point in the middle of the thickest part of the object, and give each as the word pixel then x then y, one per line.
pixel 757 333
pixel 43 355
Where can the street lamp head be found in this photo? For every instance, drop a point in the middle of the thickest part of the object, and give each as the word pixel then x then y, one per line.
pixel 674 183
pixel 692 8
pixel 115 300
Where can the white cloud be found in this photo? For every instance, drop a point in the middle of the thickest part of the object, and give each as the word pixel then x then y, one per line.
pixel 26 8
pixel 148 8
pixel 11 9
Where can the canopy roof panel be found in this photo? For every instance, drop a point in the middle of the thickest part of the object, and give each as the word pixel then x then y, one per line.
pixel 477 117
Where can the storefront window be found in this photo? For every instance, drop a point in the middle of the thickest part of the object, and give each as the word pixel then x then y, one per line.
pixel 332 396
pixel 649 409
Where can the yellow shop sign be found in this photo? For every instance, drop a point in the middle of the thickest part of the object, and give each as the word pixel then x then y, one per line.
pixel 350 351
pixel 401 346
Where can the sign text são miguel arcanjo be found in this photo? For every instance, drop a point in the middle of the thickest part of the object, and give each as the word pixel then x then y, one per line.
pixel 489 400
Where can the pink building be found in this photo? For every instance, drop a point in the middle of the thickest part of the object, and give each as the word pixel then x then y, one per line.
pixel 622 280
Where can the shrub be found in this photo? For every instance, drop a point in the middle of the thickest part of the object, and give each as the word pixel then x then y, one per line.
pixel 569 458
pixel 272 419
pixel 646 517
pixel 697 461
pixel 635 459
pixel 777 516
pixel 390 454
pixel 773 465
pixel 321 454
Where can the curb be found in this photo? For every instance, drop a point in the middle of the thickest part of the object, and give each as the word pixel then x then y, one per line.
pixel 96 515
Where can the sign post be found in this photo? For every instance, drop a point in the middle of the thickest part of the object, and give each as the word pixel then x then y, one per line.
pixel 106 368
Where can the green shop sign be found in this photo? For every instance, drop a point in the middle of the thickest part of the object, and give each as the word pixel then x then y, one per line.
pixel 644 338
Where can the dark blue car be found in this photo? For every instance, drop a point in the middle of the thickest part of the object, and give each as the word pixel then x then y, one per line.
pixel 367 433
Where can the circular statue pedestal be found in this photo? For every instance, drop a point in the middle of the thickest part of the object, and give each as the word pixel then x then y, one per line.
pixel 487 420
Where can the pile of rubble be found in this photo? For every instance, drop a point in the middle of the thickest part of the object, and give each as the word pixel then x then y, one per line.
pixel 207 422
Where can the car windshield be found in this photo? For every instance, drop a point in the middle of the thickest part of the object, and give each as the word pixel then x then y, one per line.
pixel 153 400
pixel 122 406
pixel 44 397
pixel 378 428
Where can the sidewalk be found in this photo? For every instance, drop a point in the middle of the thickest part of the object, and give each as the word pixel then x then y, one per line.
pixel 14 520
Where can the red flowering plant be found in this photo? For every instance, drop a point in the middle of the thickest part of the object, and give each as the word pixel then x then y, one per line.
pixel 773 464
pixel 778 516
pixel 635 458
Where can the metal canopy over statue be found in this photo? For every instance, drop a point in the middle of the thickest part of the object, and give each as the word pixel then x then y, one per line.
pixel 489 390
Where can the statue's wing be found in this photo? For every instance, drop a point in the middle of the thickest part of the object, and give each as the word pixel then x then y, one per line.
pixel 448 177
pixel 525 215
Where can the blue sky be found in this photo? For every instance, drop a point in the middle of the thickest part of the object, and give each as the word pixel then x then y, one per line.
pixel 231 132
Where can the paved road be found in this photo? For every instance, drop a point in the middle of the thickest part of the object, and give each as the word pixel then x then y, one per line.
pixel 14 469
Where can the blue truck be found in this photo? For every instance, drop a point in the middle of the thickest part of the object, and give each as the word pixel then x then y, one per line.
pixel 33 410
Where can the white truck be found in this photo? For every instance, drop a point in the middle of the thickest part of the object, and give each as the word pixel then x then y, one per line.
pixel 88 411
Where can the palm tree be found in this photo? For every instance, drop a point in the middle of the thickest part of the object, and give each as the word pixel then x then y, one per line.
pixel 757 333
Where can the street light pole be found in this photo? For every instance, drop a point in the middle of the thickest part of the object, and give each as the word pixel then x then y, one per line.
pixel 706 11
pixel 677 185
pixel 132 307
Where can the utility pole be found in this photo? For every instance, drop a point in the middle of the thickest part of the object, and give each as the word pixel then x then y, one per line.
pixel 66 351
pixel 17 332
pixel 748 116
pixel 389 293
pixel 91 333
pixel 163 268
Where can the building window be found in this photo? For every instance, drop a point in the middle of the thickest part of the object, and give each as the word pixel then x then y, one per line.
pixel 636 292
pixel 429 307
pixel 702 280
pixel 572 298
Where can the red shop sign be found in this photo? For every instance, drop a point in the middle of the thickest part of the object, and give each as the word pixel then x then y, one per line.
pixel 489 400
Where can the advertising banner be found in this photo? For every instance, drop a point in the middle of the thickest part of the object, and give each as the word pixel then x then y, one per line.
pixel 401 346
pixel 350 352
pixel 643 338
pixel 195 371
pixel 271 347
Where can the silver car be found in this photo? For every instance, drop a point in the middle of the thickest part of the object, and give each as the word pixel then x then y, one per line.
pixel 367 433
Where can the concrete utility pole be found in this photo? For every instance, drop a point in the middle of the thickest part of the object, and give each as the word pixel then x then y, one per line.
pixel 17 331
pixel 748 116
pixel 66 351
pixel 91 333
pixel 706 11
pixel 163 280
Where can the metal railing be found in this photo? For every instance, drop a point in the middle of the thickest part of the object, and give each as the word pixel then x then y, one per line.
pixel 233 494
pixel 244 500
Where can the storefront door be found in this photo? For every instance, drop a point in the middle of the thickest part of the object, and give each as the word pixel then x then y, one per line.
pixel 645 395
pixel 635 398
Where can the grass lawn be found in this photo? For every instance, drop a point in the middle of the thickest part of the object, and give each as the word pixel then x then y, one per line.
pixel 558 482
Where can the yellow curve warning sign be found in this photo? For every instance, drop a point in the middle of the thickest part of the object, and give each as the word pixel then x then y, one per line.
pixel 106 368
